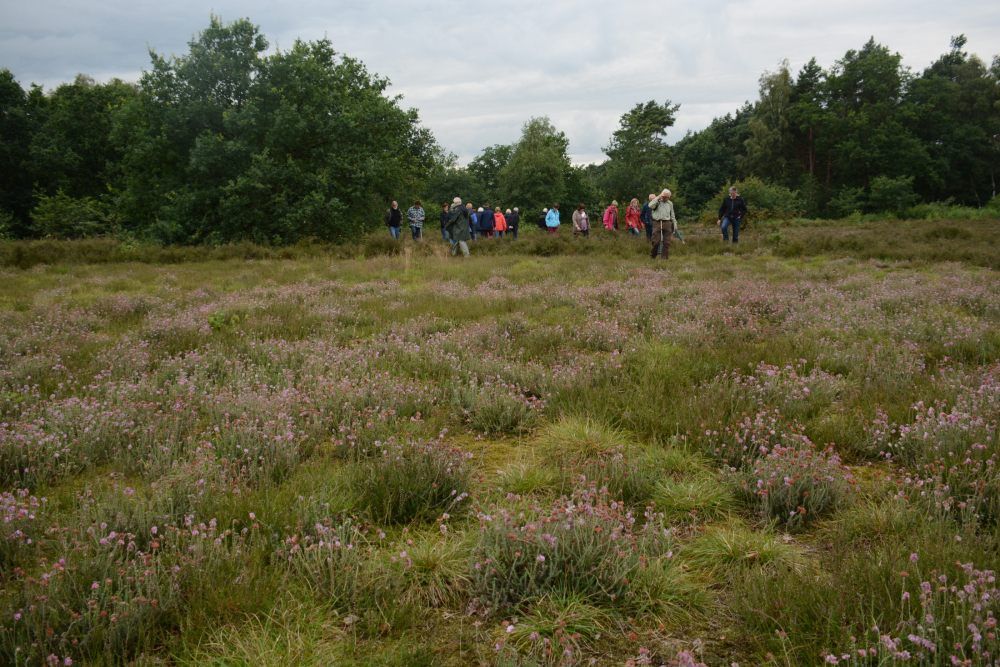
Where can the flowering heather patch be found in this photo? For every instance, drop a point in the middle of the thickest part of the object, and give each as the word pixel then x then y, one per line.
pixel 586 546
pixel 739 445
pixel 222 438
pixel 944 623
pixel 794 485
pixel 953 454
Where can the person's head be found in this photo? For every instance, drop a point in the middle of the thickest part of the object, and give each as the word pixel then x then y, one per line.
pixel 634 202
pixel 555 207
pixel 479 210
pixel 581 207
pixel 652 197
pixel 395 204
pixel 614 203
pixel 444 206
pixel 515 209
pixel 486 205
pixel 508 211
pixel 497 210
pixel 733 192
pixel 417 203
pixel 545 210
pixel 665 195
pixel 468 206
pixel 456 201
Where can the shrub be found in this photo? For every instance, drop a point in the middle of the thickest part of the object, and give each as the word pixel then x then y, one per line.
pixel 794 485
pixel 765 201
pixel 62 216
pixel 953 455
pixel 739 444
pixel 409 481
pixel 847 201
pixel 380 245
pixel 891 195
pixel 21 526
pixel 496 408
pixel 582 547
pixel 954 623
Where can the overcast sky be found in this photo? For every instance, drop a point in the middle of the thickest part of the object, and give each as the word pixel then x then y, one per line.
pixel 478 70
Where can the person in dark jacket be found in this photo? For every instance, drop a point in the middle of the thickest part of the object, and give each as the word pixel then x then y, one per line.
pixel 646 216
pixel 731 214
pixel 394 219
pixel 459 219
pixel 513 217
pixel 444 222
pixel 486 220
pixel 541 219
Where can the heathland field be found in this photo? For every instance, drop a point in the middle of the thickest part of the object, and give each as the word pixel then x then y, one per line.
pixel 552 453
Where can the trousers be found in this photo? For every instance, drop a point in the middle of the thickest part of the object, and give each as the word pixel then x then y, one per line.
pixel 662 229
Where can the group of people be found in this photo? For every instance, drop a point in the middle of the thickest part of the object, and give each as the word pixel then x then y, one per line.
pixel 461 223
pixel 485 222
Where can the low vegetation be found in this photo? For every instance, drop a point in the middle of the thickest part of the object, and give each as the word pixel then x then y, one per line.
pixel 552 453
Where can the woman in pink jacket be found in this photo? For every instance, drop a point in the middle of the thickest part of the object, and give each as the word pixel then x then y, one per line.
pixel 499 222
pixel 611 216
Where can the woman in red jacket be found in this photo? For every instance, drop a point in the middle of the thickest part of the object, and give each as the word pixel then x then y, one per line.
pixel 611 216
pixel 499 222
pixel 632 219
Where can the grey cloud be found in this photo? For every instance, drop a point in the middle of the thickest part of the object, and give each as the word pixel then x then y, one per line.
pixel 477 71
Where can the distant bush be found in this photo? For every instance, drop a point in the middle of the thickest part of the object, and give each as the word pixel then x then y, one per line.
pixel 63 217
pixel 891 195
pixel 765 201
pixel 948 211
pixel 381 245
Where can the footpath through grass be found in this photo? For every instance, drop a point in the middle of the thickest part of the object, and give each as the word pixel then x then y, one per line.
pixel 575 458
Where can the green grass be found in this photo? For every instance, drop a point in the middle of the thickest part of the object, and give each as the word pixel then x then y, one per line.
pixel 391 456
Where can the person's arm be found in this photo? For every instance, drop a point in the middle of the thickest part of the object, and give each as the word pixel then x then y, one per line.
pixel 722 211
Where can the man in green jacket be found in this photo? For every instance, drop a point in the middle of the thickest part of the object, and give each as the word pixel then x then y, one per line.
pixel 664 223
pixel 458 227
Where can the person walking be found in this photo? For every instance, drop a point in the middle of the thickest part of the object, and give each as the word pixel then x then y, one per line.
pixel 542 218
pixel 415 218
pixel 499 222
pixel 512 221
pixel 552 219
pixel 486 221
pixel 632 219
pixel 458 227
pixel 611 216
pixel 444 223
pixel 393 219
pixel 646 215
pixel 473 222
pixel 664 222
pixel 731 214
pixel 581 225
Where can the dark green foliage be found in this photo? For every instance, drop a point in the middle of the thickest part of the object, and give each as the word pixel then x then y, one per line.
pixel 62 216
pixel 224 144
pixel 639 161
pixel 535 174
pixel 443 186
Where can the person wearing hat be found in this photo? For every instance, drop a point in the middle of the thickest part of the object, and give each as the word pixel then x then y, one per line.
pixel 458 227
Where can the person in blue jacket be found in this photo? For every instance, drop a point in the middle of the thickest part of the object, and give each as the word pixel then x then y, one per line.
pixel 486 220
pixel 552 219
pixel 646 215
pixel 473 221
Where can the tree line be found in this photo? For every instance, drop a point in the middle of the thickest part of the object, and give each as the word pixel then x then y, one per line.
pixel 225 144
